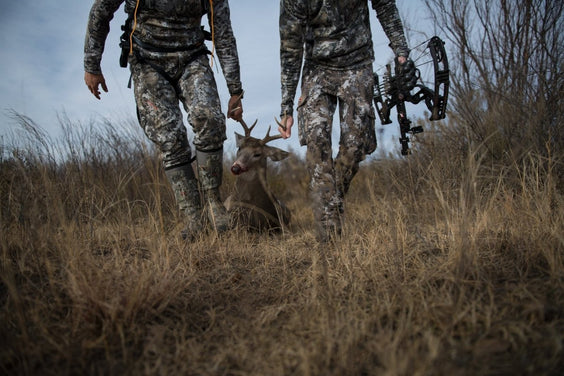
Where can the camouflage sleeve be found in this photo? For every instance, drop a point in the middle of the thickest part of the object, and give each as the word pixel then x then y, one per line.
pixel 388 15
pixel 292 29
pixel 101 14
pixel 226 45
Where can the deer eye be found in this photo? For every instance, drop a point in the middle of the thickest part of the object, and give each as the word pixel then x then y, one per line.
pixel 257 155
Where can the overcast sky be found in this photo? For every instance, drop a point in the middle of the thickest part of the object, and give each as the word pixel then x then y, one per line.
pixel 42 76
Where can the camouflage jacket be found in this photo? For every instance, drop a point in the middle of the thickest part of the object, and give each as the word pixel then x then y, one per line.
pixel 167 24
pixel 331 33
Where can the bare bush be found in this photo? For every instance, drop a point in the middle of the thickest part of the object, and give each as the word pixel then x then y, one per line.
pixel 507 74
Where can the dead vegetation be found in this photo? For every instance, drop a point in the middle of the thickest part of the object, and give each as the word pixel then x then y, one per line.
pixel 447 265
pixel 451 261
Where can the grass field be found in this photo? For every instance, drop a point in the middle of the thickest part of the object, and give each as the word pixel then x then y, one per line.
pixel 447 266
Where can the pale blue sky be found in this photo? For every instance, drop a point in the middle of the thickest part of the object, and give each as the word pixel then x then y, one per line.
pixel 41 69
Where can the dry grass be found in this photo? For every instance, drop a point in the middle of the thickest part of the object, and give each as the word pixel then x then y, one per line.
pixel 446 266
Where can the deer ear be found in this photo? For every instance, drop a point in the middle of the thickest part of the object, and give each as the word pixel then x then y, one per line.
pixel 277 154
pixel 238 139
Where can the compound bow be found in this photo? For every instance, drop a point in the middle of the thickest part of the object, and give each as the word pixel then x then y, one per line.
pixel 390 93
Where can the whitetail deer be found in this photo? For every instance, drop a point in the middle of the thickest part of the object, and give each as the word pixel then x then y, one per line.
pixel 252 204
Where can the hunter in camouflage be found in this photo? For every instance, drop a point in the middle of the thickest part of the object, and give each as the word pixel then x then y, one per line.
pixel 333 41
pixel 170 64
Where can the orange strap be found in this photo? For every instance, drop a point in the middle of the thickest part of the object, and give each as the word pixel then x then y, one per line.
pixel 133 28
pixel 212 32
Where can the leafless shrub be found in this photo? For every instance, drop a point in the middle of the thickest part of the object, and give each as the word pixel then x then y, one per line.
pixel 507 75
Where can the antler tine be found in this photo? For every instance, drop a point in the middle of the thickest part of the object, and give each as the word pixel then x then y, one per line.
pixel 269 138
pixel 252 126
pixel 279 123
pixel 247 129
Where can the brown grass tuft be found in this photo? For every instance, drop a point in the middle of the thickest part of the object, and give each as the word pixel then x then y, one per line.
pixel 447 266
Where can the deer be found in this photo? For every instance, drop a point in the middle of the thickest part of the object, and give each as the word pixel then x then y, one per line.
pixel 252 204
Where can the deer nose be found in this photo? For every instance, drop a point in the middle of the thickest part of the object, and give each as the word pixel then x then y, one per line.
pixel 236 169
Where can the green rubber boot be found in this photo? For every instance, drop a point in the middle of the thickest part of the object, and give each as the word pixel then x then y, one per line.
pixel 210 171
pixel 185 187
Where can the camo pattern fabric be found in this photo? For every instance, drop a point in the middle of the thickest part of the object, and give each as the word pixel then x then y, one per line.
pixel 187 76
pixel 333 40
pixel 167 24
pixel 185 188
pixel 322 90
pixel 158 110
pixel 210 168
pixel 336 34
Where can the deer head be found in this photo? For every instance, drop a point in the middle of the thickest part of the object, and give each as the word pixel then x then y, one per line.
pixel 252 153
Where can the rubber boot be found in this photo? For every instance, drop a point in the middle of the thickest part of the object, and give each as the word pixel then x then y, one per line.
pixel 327 214
pixel 328 227
pixel 210 172
pixel 185 187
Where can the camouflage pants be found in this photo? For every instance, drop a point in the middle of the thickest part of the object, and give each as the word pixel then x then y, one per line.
pixel 188 81
pixel 322 90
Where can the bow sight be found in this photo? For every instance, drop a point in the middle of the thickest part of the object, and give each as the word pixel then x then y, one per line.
pixel 393 92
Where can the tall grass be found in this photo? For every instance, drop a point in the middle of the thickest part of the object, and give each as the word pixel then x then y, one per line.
pixel 447 265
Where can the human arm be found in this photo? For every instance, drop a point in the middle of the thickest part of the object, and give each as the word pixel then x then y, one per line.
pixel 388 15
pixel 292 25
pixel 226 47
pixel 101 14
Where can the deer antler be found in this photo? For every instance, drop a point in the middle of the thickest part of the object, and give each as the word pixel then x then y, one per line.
pixel 279 123
pixel 247 129
pixel 269 138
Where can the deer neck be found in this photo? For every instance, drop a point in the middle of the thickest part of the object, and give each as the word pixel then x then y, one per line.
pixel 251 185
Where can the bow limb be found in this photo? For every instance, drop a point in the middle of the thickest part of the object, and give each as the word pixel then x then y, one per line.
pixel 442 82
pixel 437 97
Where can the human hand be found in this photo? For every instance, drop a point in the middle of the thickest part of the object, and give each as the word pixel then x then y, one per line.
pixel 406 72
pixel 285 126
pixel 235 108
pixel 93 81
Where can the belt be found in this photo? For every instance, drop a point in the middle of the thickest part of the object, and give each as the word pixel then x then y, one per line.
pixel 151 48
